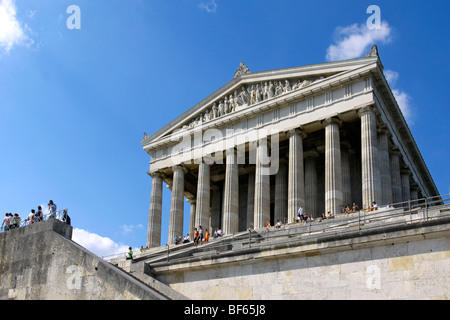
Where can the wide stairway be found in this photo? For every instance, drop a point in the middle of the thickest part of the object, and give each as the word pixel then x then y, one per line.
pixel 294 234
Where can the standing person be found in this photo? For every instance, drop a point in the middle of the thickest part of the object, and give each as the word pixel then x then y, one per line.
pixel 16 220
pixel 130 254
pixel 6 222
pixel 200 234
pixel 31 217
pixel 195 236
pixel 39 216
pixel 206 235
pixel 52 208
pixel 300 214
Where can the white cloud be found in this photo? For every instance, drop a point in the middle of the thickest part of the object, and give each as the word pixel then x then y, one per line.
pixel 126 229
pixel 209 6
pixel 391 76
pixel 11 31
pixel 101 246
pixel 403 99
pixel 355 40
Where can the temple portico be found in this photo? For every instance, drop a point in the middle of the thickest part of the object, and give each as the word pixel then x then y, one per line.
pixel 267 143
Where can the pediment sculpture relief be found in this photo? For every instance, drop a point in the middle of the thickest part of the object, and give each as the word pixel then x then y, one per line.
pixel 247 96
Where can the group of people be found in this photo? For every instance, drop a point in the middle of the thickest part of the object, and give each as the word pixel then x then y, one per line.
pixel 13 221
pixel 302 217
pixel 200 236
pixel 355 208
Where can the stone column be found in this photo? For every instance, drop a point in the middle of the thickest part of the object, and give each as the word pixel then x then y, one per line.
pixel 396 179
pixel 414 192
pixel 262 187
pixel 333 167
pixel 251 199
pixel 176 204
pixel 369 157
pixel 203 210
pixel 296 177
pixel 216 205
pixel 155 212
pixel 281 187
pixel 192 224
pixel 311 207
pixel 346 175
pixel 406 188
pixel 231 194
pixel 385 167
pixel 355 175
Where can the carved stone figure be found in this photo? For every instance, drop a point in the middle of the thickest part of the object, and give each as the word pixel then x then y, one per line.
pixel 305 83
pixel 225 106
pixel 215 112
pixel 271 91
pixel 252 97
pixel 296 85
pixel 207 115
pixel 231 104
pixel 243 97
pixel 258 97
pixel 220 110
pixel 373 51
pixel 287 86
pixel 265 91
pixel 235 100
pixel 278 88
pixel 243 69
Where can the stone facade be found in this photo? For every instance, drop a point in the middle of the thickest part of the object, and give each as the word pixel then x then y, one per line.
pixel 334 129
pixel 399 271
pixel 400 263
pixel 41 262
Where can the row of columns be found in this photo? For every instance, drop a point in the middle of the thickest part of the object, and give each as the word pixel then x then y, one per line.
pixel 381 178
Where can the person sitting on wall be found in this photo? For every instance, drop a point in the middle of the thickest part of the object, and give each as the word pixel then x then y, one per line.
pixel 374 206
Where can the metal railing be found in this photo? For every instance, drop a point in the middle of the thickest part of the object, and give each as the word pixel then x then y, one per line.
pixel 61 215
pixel 308 230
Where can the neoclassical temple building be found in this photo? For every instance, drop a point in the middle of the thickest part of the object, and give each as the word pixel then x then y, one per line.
pixel 267 143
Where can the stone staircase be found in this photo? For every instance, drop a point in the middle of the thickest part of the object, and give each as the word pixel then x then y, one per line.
pixel 246 242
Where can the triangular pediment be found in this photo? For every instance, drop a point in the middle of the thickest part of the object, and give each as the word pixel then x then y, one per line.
pixel 248 89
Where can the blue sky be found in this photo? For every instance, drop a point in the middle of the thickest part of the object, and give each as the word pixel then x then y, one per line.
pixel 74 103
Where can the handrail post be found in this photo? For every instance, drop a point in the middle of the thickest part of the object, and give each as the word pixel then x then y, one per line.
pixel 359 220
pixel 409 208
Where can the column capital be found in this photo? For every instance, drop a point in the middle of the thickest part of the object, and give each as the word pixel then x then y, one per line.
pixel 405 170
pixel 289 133
pixel 310 153
pixel 156 174
pixel 414 186
pixel 346 143
pixel 179 167
pixel 330 120
pixel 383 129
pixel 191 201
pixel 395 151
pixel 372 108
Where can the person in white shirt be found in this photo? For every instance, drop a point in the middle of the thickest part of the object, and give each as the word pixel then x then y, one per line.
pixel 52 209
pixel 31 217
